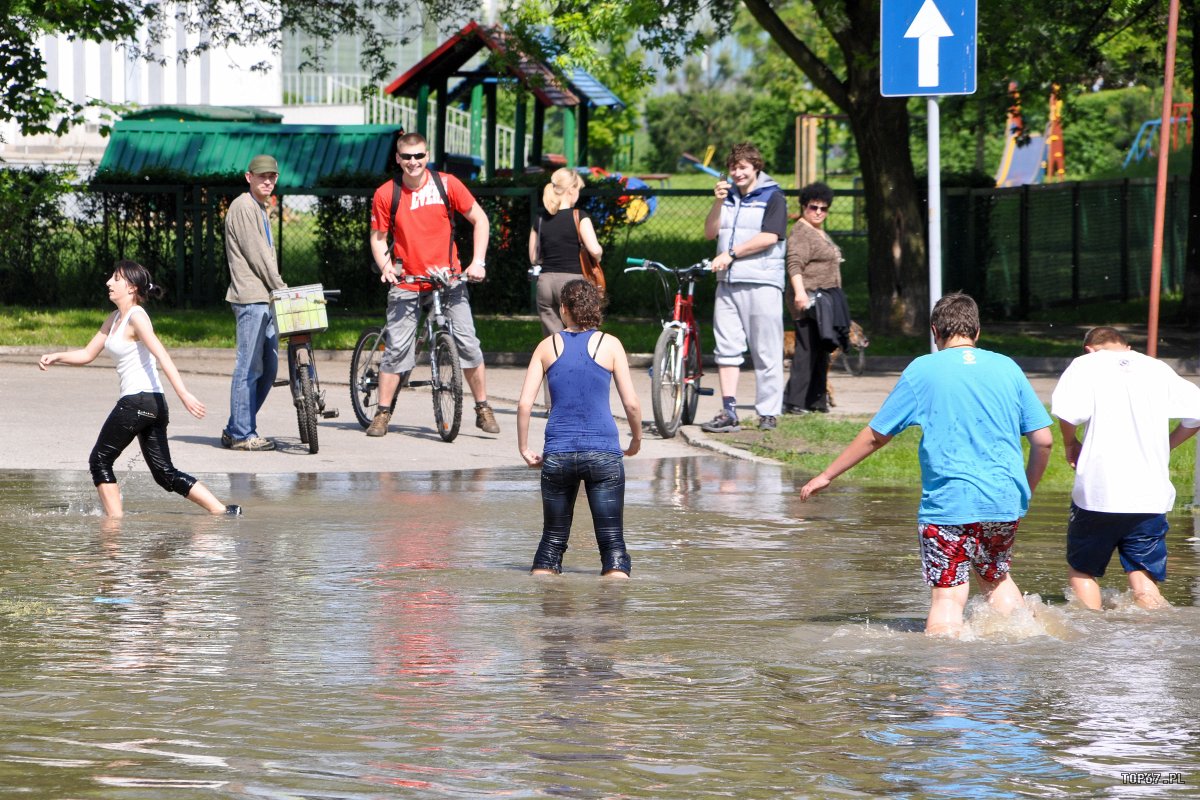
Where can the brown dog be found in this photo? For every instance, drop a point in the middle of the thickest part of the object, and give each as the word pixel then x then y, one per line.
pixel 858 340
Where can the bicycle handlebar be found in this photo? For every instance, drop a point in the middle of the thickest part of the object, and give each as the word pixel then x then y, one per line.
pixel 695 270
pixel 438 277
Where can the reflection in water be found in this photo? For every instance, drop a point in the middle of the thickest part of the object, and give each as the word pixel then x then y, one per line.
pixel 359 636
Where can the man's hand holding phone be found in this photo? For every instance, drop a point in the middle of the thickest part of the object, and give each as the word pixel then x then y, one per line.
pixel 723 186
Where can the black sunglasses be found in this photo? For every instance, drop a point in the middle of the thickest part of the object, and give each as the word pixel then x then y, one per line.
pixel 815 207
pixel 411 156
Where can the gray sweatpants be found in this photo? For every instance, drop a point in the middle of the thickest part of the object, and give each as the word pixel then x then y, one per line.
pixel 749 316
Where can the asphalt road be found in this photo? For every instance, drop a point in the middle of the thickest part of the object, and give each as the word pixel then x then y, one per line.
pixel 52 419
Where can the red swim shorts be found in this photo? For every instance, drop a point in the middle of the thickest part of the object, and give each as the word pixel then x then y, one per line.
pixel 948 552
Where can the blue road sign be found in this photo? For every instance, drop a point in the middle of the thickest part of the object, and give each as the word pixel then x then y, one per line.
pixel 927 47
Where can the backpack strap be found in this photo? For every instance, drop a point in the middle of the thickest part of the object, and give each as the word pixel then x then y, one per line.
pixel 391 231
pixel 539 233
pixel 441 187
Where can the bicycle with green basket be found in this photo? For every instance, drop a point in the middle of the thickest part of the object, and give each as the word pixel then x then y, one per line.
pixel 299 312
pixel 436 340
pixel 677 368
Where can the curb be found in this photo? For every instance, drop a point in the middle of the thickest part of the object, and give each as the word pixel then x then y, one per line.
pixel 875 364
pixel 697 438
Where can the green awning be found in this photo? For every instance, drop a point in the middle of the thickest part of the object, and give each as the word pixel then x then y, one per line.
pixel 199 113
pixel 305 153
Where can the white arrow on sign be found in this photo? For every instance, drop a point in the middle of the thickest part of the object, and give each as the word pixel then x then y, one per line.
pixel 927 28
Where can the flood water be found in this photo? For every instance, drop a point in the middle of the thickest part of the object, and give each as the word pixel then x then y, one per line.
pixel 376 636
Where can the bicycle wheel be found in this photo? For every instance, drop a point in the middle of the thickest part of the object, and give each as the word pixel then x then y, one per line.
pixel 306 406
pixel 447 385
pixel 666 383
pixel 295 365
pixel 854 360
pixel 364 374
pixel 691 386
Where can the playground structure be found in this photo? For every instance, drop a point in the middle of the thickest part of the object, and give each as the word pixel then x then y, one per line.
pixel 1181 134
pixel 811 153
pixel 689 160
pixel 445 72
pixel 638 207
pixel 1031 157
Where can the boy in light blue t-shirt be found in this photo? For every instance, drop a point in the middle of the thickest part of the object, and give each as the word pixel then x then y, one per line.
pixel 973 406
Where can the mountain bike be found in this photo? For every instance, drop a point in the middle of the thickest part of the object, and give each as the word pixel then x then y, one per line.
pixel 300 312
pixel 676 370
pixel 435 342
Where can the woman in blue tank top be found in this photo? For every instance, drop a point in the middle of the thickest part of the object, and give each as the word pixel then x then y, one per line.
pixel 582 443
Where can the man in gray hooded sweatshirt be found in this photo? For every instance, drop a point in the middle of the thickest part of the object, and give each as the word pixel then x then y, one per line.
pixel 749 221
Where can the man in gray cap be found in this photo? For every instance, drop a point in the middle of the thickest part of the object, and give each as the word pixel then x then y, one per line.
pixel 253 274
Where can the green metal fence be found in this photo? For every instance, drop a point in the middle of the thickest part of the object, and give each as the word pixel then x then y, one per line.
pixel 1037 247
pixel 1017 250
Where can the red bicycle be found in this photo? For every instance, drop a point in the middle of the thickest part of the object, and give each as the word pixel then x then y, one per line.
pixel 676 370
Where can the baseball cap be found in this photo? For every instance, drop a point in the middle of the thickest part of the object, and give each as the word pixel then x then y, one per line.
pixel 263 163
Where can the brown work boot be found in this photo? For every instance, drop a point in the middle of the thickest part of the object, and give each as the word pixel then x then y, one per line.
pixel 485 419
pixel 379 425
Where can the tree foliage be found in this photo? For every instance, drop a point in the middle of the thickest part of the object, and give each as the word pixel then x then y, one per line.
pixel 23 94
pixel 826 46
pixel 139 25
pixel 834 44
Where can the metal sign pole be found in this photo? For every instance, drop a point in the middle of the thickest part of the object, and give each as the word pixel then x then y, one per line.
pixel 933 131
pixel 914 61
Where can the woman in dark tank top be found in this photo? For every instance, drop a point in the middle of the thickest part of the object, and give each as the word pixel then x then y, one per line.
pixel 582 443
pixel 554 244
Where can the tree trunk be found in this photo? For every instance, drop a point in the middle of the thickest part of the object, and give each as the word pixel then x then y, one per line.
pixel 897 267
pixel 897 275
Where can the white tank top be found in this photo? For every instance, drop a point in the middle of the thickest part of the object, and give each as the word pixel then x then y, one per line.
pixel 136 366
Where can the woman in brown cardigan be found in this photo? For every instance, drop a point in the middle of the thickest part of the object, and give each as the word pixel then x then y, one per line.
pixel 814 263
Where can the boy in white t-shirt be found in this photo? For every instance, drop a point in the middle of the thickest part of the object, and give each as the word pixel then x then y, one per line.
pixel 1123 488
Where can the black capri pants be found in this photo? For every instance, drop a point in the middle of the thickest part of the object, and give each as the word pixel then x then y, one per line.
pixel 142 416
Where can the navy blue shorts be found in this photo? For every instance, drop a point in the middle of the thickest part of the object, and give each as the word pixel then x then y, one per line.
pixel 1141 539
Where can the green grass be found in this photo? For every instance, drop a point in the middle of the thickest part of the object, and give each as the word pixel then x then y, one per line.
pixel 810 442
pixel 71 328
pixel 68 328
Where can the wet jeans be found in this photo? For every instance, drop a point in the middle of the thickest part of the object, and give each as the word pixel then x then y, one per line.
pixel 254 372
pixel 603 477
pixel 144 417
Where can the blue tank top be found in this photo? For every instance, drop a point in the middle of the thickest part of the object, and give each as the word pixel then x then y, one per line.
pixel 580 418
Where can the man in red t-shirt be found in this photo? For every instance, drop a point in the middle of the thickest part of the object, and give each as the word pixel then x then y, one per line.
pixel 423 241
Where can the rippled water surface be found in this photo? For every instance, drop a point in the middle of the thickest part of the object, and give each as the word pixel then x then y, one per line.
pixel 370 636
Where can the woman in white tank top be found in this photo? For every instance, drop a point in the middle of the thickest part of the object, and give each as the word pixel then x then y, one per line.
pixel 141 411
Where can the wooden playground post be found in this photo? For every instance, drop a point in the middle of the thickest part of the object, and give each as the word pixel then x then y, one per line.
pixel 1181 116
pixel 1056 165
pixel 806 149
pixel 808 126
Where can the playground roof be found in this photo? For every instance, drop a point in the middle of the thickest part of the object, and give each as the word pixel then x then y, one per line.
pixel 596 93
pixel 198 113
pixel 453 54
pixel 306 153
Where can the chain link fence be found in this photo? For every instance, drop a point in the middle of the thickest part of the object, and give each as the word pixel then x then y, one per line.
pixel 59 241
pixel 1016 250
